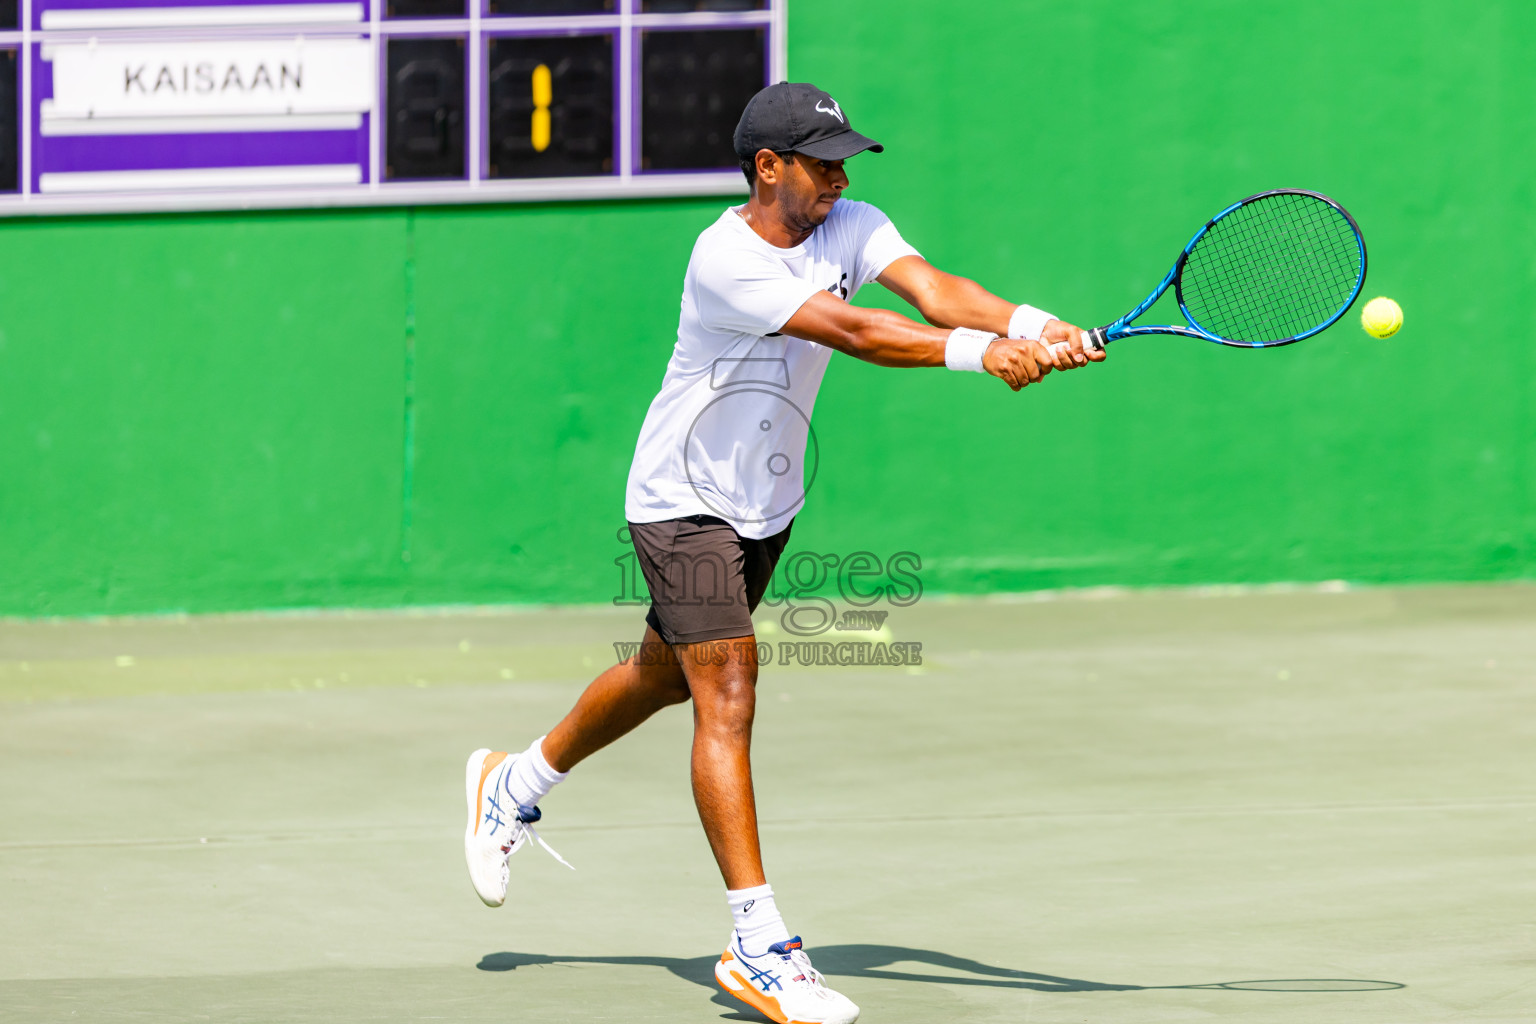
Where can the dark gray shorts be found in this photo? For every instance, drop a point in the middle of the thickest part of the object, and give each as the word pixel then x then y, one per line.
pixel 705 578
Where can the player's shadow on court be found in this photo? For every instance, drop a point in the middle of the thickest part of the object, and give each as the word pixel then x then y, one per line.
pixel 866 961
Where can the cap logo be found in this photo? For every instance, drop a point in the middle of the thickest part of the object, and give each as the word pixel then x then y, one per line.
pixel 835 110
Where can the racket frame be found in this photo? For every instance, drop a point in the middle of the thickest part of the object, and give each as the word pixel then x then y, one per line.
pixel 1098 337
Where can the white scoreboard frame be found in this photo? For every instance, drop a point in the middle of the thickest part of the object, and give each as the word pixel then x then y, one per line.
pixel 625 183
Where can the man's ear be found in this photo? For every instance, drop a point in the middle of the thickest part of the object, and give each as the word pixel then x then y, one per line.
pixel 770 169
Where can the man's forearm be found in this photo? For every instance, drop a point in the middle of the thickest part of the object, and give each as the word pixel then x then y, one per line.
pixel 885 338
pixel 876 336
pixel 948 300
pixel 961 302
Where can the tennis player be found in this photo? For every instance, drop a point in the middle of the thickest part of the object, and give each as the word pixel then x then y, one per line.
pixel 716 481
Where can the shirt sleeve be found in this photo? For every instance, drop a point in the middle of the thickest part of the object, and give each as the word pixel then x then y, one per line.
pixel 748 293
pixel 877 243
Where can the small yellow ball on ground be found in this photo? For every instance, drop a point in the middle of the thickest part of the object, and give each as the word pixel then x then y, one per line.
pixel 1381 317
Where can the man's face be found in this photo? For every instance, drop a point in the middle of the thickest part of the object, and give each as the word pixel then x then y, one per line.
pixel 809 189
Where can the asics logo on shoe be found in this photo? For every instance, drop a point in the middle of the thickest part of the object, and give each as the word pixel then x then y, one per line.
pixel 493 816
pixel 767 979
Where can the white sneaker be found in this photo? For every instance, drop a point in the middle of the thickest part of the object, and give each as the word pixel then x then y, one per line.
pixel 498 824
pixel 782 984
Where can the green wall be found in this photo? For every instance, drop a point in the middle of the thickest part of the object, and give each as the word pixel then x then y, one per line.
pixel 437 406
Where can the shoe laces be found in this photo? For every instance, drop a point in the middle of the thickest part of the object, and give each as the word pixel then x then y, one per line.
pixel 524 819
pixel 802 962
pixel 506 847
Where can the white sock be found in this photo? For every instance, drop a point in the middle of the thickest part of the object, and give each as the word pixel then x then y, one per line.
pixel 758 923
pixel 532 777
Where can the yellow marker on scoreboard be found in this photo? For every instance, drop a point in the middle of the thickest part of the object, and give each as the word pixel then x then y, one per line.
pixel 543 96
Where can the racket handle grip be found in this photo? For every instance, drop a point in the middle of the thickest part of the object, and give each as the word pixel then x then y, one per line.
pixel 1093 341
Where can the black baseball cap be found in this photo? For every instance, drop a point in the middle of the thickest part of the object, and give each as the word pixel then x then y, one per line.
pixel 797 117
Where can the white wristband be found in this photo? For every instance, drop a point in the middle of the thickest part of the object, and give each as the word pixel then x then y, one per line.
pixel 1028 322
pixel 965 347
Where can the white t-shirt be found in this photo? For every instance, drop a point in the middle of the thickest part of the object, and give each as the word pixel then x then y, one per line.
pixel 728 433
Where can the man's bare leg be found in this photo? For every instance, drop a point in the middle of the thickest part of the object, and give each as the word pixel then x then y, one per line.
pixel 503 791
pixel 724 700
pixel 721 678
pixel 724 697
pixel 616 702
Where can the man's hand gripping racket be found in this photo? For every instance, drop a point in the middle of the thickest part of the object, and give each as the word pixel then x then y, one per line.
pixel 1019 362
pixel 1271 269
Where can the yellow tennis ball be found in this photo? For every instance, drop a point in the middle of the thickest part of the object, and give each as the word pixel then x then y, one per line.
pixel 1381 317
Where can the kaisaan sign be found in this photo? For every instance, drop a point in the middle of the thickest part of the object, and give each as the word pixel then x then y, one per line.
pixel 211 78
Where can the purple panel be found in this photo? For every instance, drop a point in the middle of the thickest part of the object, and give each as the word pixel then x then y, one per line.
pixel 42 89
pixel 636 102
pixel 42 76
pixel 621 160
pixel 161 152
pixel 363 136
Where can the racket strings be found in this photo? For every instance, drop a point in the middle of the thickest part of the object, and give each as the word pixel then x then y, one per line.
pixel 1275 298
pixel 1273 273
pixel 1272 269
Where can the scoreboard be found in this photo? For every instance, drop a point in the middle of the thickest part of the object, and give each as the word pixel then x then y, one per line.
pixel 135 105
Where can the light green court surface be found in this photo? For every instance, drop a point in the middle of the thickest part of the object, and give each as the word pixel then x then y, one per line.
pixel 1309 806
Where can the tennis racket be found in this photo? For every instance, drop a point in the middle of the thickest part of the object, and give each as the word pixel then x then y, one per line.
pixel 1271 269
